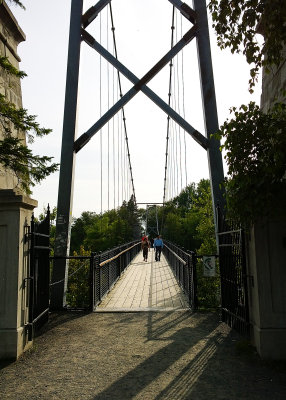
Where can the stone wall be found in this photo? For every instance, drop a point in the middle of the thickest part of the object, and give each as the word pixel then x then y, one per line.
pixel 10 36
pixel 15 215
pixel 273 85
pixel 267 255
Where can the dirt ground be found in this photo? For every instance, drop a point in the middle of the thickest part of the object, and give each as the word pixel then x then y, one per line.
pixel 146 355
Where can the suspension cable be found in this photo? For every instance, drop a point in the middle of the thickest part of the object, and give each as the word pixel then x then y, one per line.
pixel 100 112
pixel 169 102
pixel 183 105
pixel 178 128
pixel 123 112
pixel 158 233
pixel 113 137
pixel 108 105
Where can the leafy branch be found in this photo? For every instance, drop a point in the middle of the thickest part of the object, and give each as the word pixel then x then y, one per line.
pixel 237 23
pixel 27 167
pixel 255 154
pixel 15 156
pixel 10 69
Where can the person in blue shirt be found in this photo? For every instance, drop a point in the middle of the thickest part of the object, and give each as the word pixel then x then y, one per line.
pixel 158 246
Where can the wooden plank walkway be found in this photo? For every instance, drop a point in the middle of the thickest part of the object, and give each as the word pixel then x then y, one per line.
pixel 145 286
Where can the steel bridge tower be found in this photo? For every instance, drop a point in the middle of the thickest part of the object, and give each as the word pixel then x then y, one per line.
pixel 197 16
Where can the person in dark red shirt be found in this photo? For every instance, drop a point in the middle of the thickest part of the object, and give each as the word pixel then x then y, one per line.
pixel 145 247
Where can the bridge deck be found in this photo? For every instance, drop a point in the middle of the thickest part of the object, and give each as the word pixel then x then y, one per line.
pixel 145 286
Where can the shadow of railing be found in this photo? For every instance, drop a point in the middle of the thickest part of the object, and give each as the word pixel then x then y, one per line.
pixel 180 342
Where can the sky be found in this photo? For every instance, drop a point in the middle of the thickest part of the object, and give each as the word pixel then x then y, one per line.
pixel 143 36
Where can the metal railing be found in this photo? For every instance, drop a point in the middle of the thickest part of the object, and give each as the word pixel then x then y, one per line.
pixel 92 277
pixel 183 264
pixel 234 288
pixel 107 267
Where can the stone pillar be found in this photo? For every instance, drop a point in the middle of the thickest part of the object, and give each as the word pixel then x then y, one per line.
pixel 267 288
pixel 15 214
pixel 10 86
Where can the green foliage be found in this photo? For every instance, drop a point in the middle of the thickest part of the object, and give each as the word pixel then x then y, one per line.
pixel 10 69
pixel 202 209
pixel 15 156
pixel 255 145
pixel 189 223
pixel 179 222
pixel 208 287
pixel 53 217
pixel 78 282
pixel 188 218
pixel 100 232
pixel 27 167
pixel 236 23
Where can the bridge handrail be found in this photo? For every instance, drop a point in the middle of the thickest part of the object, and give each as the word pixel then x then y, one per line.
pixel 176 255
pixel 117 255
pixel 183 265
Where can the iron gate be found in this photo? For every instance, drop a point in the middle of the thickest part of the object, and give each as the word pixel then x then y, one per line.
pixel 232 260
pixel 39 273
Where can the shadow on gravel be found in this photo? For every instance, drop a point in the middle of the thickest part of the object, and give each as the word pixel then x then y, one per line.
pixel 205 361
pixel 149 370
pixel 5 363
pixel 55 319
pixel 60 318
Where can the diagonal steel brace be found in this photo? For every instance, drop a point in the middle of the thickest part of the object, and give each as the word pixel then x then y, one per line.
pixel 185 10
pixel 139 84
pixel 93 12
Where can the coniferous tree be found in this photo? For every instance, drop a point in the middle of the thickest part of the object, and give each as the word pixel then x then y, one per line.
pixel 15 124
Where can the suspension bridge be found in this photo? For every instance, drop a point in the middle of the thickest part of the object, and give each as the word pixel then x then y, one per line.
pixel 142 336
pixel 118 279
pixel 117 180
pixel 96 29
pixel 136 330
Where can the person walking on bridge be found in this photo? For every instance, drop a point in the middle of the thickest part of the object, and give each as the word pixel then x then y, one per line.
pixel 158 246
pixel 145 246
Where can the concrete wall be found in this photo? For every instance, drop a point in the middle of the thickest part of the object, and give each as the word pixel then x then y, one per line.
pixel 15 215
pixel 273 85
pixel 267 255
pixel 10 36
pixel 267 295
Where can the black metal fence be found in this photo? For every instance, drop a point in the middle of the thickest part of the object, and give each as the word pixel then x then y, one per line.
pixel 37 281
pixel 91 277
pixel 232 260
pixel 183 264
pixel 107 267
pixel 77 294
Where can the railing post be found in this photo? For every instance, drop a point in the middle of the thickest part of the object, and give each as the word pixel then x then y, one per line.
pixel 195 280
pixel 118 273
pixel 91 282
pixel 108 267
pixel 99 277
pixel 31 278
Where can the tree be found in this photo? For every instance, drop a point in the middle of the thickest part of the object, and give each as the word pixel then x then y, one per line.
pixel 254 141
pixel 255 145
pixel 237 23
pixel 99 232
pixel 15 123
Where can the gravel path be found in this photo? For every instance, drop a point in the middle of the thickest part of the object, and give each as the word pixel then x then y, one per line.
pixel 146 355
